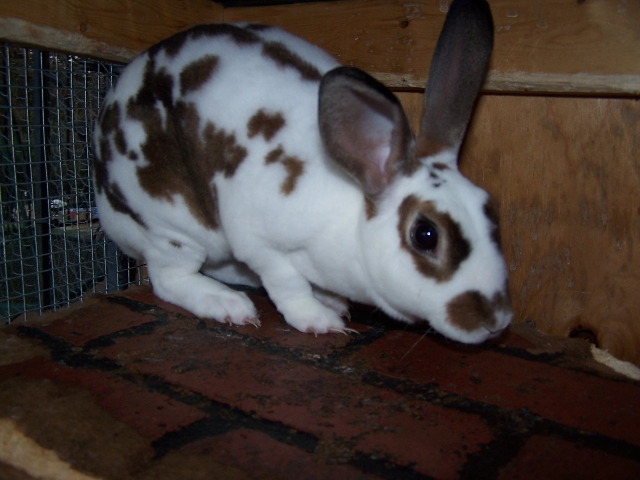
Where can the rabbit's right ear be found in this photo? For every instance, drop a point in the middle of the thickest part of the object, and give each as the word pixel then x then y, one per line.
pixel 457 71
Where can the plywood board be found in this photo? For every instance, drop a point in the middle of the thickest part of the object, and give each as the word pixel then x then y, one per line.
pixel 112 30
pixel 566 172
pixel 557 46
pixel 561 46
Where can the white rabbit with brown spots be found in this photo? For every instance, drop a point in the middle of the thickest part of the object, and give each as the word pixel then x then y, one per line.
pixel 240 154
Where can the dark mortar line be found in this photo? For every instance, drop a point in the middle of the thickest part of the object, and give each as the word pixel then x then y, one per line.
pixel 492 457
pixel 133 305
pixel 199 430
pixel 59 348
pixel 510 428
pixel 385 468
pixel 65 353
pixel 137 330
pixel 221 418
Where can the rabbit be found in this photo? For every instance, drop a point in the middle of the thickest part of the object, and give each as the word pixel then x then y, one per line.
pixel 239 154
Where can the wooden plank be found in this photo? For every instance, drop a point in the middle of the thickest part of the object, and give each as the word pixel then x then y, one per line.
pixel 566 172
pixel 556 46
pixel 109 29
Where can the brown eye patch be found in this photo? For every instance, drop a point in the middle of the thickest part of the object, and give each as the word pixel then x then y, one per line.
pixel 452 248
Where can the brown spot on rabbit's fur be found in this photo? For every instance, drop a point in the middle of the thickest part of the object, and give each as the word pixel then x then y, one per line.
pixel 471 310
pixel 286 58
pixel 274 155
pixel 452 247
pixel 294 167
pixel 267 124
pixel 119 203
pixel 197 73
pixel 110 123
pixel 175 244
pixel 180 159
pixel 174 44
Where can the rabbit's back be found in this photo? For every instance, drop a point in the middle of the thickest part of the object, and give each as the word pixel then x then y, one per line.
pixel 201 105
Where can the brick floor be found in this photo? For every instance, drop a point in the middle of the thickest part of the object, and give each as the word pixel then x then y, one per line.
pixel 126 386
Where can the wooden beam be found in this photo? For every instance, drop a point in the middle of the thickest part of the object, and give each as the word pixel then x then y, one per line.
pixel 550 46
pixel 114 30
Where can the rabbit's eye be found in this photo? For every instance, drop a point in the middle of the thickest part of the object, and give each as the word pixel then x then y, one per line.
pixel 424 235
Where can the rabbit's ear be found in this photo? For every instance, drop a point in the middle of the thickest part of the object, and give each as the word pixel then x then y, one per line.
pixel 457 70
pixel 364 128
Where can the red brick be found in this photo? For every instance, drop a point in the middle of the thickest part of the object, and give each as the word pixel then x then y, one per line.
pixel 99 318
pixel 568 397
pixel 373 420
pixel 151 414
pixel 260 456
pixel 552 458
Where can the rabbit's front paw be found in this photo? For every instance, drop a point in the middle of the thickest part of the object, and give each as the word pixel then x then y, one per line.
pixel 204 297
pixel 334 302
pixel 232 307
pixel 310 316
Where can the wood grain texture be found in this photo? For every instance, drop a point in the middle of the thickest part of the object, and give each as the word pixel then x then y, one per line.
pixel 559 46
pixel 566 172
pixel 110 30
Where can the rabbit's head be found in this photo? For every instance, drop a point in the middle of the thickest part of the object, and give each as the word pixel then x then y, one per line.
pixel 431 240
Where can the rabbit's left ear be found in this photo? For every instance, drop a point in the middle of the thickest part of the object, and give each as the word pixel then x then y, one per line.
pixel 364 128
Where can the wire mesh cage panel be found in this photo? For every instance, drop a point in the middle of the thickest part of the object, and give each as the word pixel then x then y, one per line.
pixel 52 250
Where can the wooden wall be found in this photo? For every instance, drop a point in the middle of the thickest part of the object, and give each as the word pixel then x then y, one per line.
pixel 564 163
pixel 560 46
